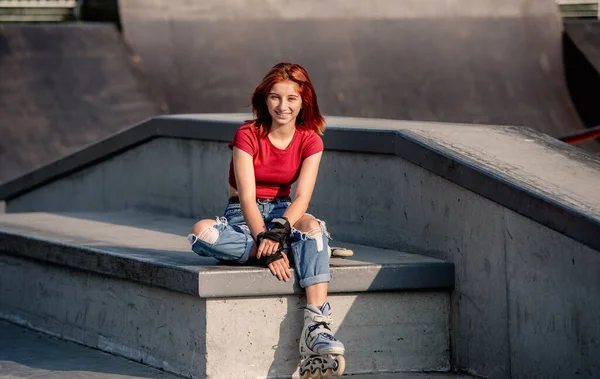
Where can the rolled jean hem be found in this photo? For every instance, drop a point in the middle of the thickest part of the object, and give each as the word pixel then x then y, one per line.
pixel 247 252
pixel 323 278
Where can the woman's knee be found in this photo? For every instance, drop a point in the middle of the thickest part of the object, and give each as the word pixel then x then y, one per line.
pixel 205 231
pixel 308 224
pixel 313 229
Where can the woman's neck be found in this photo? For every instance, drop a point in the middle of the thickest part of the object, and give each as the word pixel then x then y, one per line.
pixel 282 131
pixel 281 136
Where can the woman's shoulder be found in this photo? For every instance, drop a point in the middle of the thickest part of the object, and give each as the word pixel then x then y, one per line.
pixel 248 126
pixel 310 142
pixel 245 138
pixel 247 129
pixel 309 135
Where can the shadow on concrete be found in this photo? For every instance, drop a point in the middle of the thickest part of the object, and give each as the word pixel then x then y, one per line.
pixel 161 257
pixel 152 221
pixel 286 351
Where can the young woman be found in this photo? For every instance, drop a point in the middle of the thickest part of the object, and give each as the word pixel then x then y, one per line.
pixel 262 223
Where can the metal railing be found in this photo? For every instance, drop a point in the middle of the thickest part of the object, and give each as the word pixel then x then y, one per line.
pixel 37 10
pixel 582 135
pixel 579 8
pixel 38 3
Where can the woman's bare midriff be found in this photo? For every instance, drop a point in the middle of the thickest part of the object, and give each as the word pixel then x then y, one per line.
pixel 233 192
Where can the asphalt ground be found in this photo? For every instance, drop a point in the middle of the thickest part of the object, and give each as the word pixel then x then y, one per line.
pixel 25 353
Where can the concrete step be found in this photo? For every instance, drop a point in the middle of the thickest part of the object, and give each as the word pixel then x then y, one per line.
pixel 127 283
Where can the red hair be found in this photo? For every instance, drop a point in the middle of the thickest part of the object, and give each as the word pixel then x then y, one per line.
pixel 309 118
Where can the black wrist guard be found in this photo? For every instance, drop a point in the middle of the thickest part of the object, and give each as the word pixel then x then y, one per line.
pixel 280 227
pixel 277 237
pixel 278 230
pixel 280 222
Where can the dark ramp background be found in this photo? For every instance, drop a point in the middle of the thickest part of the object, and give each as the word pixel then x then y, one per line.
pixel 582 61
pixel 470 61
pixel 62 87
pixel 462 61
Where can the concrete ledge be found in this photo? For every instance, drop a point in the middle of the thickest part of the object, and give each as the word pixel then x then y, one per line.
pixel 518 168
pixel 127 283
pixel 152 249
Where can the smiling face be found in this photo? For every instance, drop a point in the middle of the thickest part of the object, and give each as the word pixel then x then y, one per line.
pixel 284 103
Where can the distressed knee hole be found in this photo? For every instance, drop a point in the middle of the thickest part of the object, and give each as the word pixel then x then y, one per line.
pixel 209 235
pixel 317 235
pixel 320 224
pixel 206 231
pixel 314 232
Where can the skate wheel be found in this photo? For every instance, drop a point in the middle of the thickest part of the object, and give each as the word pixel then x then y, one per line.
pixel 311 375
pixel 340 252
pixel 341 365
pixel 327 373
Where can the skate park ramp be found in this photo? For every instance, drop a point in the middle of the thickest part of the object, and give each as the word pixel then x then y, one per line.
pixel 582 64
pixel 64 86
pixel 485 61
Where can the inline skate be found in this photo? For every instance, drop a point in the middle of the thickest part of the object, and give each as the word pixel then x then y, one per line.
pixel 322 354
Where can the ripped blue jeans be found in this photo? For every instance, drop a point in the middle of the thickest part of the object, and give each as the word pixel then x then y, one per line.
pixel 234 243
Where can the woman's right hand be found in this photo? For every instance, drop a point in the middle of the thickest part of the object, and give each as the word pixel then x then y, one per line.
pixel 281 268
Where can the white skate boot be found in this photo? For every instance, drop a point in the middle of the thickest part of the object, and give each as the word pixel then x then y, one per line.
pixel 322 354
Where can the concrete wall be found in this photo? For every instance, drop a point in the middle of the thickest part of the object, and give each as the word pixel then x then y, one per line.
pixel 382 332
pixel 453 61
pixel 526 296
pixel 181 177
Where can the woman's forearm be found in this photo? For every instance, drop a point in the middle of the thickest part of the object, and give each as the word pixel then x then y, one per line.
pixel 297 209
pixel 253 218
pixel 304 188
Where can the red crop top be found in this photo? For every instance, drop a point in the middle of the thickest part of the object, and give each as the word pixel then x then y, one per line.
pixel 275 170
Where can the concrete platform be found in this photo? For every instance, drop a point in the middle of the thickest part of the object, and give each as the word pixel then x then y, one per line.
pixel 127 283
pixel 511 208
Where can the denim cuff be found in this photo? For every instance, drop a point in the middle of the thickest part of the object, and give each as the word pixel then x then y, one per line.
pixel 322 278
pixel 248 250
